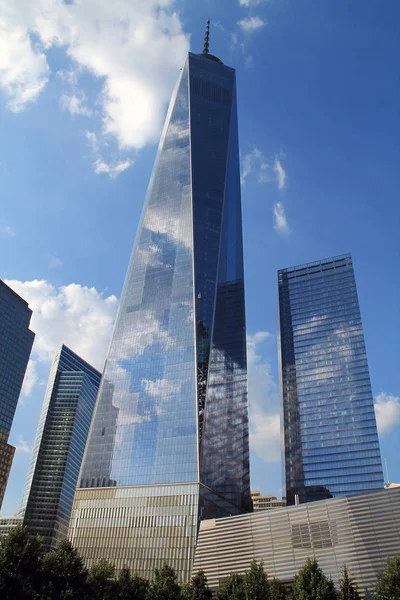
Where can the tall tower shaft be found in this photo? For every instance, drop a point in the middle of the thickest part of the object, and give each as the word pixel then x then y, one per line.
pixel 168 444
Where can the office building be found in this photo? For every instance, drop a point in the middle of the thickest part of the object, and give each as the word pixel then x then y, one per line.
pixel 331 445
pixel 168 444
pixel 8 523
pixel 6 458
pixel 265 501
pixel 16 341
pixel 59 446
pixel 359 531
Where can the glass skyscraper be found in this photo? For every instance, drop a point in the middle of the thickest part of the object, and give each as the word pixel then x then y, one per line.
pixel 59 446
pixel 16 341
pixel 168 444
pixel 331 445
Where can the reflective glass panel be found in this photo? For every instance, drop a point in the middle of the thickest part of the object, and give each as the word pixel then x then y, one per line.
pixel 329 418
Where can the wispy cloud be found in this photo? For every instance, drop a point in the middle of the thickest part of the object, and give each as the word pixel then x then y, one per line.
pixel 248 61
pixel 7 231
pixel 76 104
pixel 255 162
pixel 281 224
pixel 250 24
pixel 264 169
pixel 113 170
pixel 387 410
pixel 22 446
pixel 53 261
pixel 249 3
pixel 92 140
pixel 280 173
pixel 256 165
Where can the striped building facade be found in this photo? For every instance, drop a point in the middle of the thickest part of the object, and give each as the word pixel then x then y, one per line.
pixel 359 531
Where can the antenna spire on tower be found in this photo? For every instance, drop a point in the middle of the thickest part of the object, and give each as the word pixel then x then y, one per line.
pixel 207 39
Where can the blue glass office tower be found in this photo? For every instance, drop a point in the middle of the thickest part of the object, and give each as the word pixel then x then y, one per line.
pixel 331 445
pixel 169 440
pixel 16 341
pixel 59 446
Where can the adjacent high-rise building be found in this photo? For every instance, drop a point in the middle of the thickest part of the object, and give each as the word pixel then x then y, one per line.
pixel 16 341
pixel 59 446
pixel 331 445
pixel 168 444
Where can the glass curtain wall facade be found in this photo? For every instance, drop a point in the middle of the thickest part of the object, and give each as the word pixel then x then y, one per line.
pixel 59 446
pixel 331 445
pixel 16 341
pixel 172 407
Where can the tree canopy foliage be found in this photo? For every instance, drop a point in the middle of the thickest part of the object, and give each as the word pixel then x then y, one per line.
pixel 347 588
pixel 26 573
pixel 388 585
pixel 311 584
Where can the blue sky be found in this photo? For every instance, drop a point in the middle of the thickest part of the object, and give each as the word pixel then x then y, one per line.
pixel 84 89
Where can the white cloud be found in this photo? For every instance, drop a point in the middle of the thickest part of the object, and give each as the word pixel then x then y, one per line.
pixel 280 173
pixel 134 48
pixel 249 3
pixel 248 62
pixel 53 261
pixel 281 224
pixel 113 170
pixel 22 446
pixel 78 316
pixel 76 104
pixel 250 24
pixel 31 378
pixel 7 231
pixel 92 140
pixel 255 162
pixel 256 165
pixel 110 168
pixel 264 169
pixel 23 70
pixel 387 410
pixel 264 406
pixel 69 77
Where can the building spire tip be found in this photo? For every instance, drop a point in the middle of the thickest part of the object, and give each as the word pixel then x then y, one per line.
pixel 207 39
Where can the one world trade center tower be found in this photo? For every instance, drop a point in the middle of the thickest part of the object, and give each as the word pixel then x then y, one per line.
pixel 168 445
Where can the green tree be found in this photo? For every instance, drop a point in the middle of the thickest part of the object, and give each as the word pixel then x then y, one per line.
pixel 131 587
pixel 20 566
pixel 311 584
pixel 388 585
pixel 64 573
pixel 255 582
pixel 276 590
pixel 197 589
pixel 232 588
pixel 347 587
pixel 101 581
pixel 164 585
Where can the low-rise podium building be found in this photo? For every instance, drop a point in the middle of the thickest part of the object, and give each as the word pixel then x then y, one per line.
pixel 359 531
